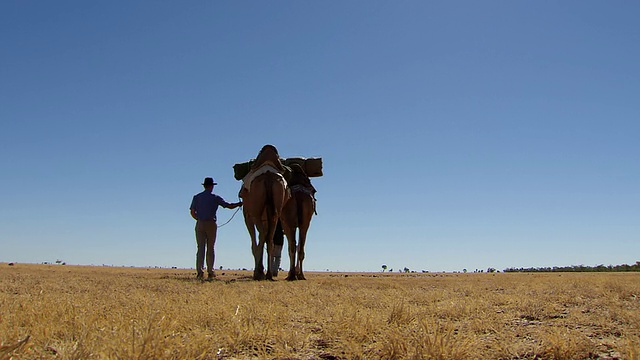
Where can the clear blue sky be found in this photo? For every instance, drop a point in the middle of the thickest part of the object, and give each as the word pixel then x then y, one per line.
pixel 454 134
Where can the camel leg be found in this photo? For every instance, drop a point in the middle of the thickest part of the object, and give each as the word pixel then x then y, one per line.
pixel 289 229
pixel 307 214
pixel 289 224
pixel 291 240
pixel 271 247
pixel 258 273
pixel 303 239
pixel 269 263
pixel 257 270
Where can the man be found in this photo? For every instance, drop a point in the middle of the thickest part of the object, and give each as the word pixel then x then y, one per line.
pixel 278 242
pixel 203 209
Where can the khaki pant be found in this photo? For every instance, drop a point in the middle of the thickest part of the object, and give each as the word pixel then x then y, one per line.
pixel 206 231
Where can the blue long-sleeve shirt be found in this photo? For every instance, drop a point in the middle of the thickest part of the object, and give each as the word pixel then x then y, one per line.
pixel 205 204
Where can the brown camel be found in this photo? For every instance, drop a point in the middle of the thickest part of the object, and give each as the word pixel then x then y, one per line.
pixel 297 214
pixel 264 194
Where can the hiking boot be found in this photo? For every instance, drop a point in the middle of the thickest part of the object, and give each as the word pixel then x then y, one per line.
pixel 275 264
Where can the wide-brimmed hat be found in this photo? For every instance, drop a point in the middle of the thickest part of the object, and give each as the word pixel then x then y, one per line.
pixel 209 181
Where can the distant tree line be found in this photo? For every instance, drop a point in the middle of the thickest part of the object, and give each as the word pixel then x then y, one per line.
pixel 580 268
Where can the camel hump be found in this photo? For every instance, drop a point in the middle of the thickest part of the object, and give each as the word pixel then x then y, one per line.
pixel 268 155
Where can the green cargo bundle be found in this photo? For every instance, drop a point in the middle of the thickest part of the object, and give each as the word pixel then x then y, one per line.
pixel 241 170
pixel 311 166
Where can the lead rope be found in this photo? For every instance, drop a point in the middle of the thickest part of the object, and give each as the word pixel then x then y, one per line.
pixel 234 214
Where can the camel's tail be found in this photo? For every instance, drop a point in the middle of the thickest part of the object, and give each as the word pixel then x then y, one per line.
pixel 299 208
pixel 269 201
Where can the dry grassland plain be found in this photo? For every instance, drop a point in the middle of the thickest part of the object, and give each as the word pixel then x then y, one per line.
pixel 74 312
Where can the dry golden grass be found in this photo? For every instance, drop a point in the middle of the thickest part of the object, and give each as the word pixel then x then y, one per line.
pixel 73 312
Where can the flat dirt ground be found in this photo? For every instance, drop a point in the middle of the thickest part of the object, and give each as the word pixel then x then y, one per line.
pixel 76 312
